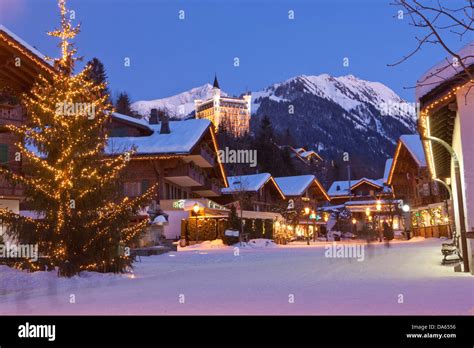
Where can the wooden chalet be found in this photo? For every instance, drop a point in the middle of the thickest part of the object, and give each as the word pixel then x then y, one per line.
pixel 411 182
pixel 20 66
pixel 445 94
pixel 255 192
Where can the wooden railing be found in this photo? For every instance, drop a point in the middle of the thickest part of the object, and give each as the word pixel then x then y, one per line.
pixel 186 170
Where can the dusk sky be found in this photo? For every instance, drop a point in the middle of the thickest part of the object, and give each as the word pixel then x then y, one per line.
pixel 169 55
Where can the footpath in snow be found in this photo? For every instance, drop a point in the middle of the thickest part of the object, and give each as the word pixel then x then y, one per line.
pixel 259 278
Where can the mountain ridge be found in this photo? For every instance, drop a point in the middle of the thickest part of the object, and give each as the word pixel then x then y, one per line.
pixel 325 113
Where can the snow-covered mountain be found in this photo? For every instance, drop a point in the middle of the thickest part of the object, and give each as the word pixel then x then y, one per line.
pixel 327 114
pixel 338 114
pixel 179 106
pixel 351 93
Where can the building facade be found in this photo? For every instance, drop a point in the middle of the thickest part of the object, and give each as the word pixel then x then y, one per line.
pixel 305 196
pixel 411 181
pixel 446 98
pixel 179 157
pixel 370 202
pixel 254 192
pixel 223 111
pixel 20 66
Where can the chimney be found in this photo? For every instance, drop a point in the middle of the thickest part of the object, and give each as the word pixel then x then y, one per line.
pixel 153 116
pixel 165 123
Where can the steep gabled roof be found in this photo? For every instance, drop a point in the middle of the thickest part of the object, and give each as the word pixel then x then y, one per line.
pixel 16 39
pixel 298 184
pixel 344 189
pixel 377 183
pixel 414 145
pixel 33 63
pixel 250 183
pixel 295 185
pixel 386 172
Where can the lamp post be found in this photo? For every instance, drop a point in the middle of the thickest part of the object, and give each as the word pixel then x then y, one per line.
pixel 306 211
pixel 326 219
pixel 378 206
pixel 196 211
pixel 459 196
pixel 369 218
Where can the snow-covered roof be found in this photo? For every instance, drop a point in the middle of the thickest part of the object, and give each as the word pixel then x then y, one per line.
pixel 183 137
pixel 388 166
pixel 376 182
pixel 414 145
pixel 133 120
pixel 306 154
pixel 444 71
pixel 341 188
pixel 248 183
pixel 25 44
pixel 294 185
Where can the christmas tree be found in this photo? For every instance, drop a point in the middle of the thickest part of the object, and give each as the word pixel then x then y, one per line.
pixel 82 218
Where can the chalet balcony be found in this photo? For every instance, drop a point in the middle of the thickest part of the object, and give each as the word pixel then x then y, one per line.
pixel 204 158
pixel 185 175
pixel 210 189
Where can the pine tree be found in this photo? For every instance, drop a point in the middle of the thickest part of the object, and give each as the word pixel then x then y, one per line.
pixel 122 105
pixel 72 186
pixel 97 74
pixel 265 146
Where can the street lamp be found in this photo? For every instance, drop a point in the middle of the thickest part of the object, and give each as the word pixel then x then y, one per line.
pixel 379 205
pixel 306 211
pixel 196 209
pixel 406 208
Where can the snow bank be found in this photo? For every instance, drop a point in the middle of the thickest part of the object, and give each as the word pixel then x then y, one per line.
pixel 257 243
pixel 206 245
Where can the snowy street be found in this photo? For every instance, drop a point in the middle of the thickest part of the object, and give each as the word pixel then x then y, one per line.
pixel 293 279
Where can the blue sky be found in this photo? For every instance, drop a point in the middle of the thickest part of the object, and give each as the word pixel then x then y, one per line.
pixel 169 55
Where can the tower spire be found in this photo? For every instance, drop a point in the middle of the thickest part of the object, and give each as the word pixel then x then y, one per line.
pixel 216 83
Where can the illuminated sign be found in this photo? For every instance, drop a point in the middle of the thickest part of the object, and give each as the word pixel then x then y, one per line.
pixel 178 204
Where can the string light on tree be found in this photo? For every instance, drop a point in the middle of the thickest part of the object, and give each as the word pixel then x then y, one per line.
pixel 64 162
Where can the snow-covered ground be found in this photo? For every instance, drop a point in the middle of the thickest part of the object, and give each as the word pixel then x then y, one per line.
pixel 217 279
